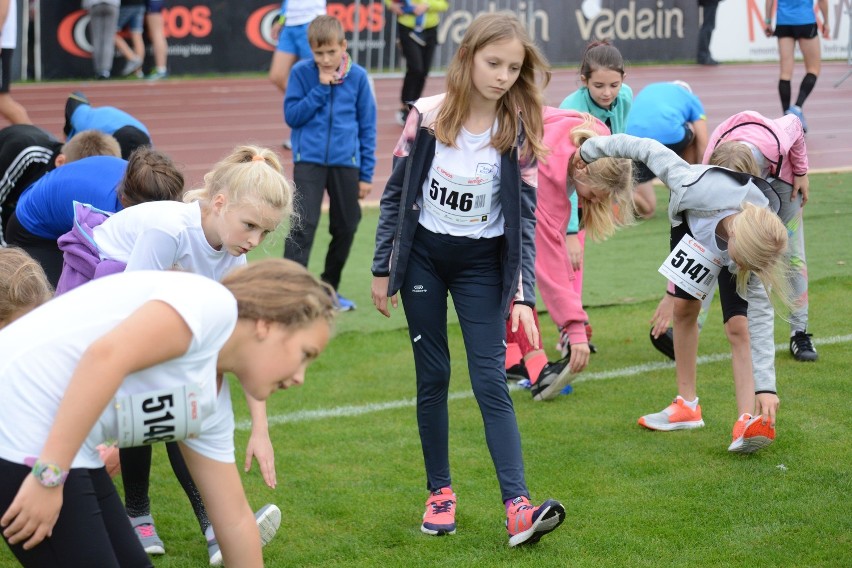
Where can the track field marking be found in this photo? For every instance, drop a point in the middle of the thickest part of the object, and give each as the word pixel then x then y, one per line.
pixel 346 411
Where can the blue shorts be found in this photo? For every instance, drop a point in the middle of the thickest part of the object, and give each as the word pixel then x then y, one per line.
pixel 294 39
pixel 155 6
pixel 133 17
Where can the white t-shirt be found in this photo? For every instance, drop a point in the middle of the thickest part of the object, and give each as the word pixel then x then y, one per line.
pixel 301 12
pixel 163 235
pixel 461 194
pixel 40 351
pixel 9 33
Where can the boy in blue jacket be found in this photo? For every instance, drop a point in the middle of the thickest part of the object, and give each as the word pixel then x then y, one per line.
pixel 331 110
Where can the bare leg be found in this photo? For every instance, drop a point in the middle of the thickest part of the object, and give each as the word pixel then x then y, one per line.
pixel 645 199
pixel 157 35
pixel 686 346
pixel 13 110
pixel 736 329
pixel 279 71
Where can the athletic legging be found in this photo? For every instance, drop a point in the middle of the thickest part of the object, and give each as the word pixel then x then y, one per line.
pixel 92 528
pixel 136 477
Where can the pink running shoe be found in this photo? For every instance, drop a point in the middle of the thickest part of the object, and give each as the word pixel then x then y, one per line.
pixel 527 524
pixel 440 516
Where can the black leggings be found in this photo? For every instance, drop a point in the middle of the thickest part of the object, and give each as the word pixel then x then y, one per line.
pixel 136 477
pixel 92 529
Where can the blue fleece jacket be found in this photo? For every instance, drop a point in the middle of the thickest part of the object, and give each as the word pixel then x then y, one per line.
pixel 333 125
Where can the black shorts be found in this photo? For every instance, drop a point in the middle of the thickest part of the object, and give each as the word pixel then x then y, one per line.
pixel 5 69
pixel 642 174
pixel 804 31
pixel 732 303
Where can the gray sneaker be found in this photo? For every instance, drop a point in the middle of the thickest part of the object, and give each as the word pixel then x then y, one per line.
pixel 147 534
pixel 268 520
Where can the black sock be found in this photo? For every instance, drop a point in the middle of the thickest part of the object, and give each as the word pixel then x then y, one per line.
pixel 805 88
pixel 784 92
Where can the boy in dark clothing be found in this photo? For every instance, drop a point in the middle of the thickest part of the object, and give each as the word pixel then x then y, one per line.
pixel 331 110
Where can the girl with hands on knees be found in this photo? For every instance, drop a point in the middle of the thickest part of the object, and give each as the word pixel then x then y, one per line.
pixel 244 198
pixel 723 223
pixel 155 352
pixel 457 217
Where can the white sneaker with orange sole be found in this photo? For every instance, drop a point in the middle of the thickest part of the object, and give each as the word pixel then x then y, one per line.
pixel 677 416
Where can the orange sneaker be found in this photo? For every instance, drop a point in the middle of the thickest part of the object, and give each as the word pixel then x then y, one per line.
pixel 677 416
pixel 750 434
pixel 527 524
pixel 440 516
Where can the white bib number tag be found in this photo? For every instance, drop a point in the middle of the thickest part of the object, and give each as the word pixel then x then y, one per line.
pixel 166 415
pixel 457 199
pixel 692 268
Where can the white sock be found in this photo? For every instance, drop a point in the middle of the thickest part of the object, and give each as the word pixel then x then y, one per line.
pixel 693 405
pixel 208 533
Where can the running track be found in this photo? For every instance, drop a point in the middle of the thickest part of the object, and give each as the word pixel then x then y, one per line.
pixel 198 121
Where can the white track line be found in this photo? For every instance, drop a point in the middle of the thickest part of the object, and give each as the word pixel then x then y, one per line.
pixel 345 411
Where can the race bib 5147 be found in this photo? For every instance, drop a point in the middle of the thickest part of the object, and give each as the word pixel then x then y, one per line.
pixel 692 267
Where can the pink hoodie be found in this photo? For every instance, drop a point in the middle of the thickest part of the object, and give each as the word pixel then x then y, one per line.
pixel 780 139
pixel 552 267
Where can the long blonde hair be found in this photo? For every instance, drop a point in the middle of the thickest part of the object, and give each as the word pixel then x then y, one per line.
pixel 23 284
pixel 761 244
pixel 613 175
pixel 281 291
pixel 249 175
pixel 525 95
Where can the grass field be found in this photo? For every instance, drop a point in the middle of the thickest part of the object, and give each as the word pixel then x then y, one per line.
pixel 351 481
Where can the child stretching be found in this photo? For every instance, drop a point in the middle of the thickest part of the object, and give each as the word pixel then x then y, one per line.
pixel 730 214
pixel 157 347
pixel 773 149
pixel 605 96
pixel 244 198
pixel 601 185
pixel 457 216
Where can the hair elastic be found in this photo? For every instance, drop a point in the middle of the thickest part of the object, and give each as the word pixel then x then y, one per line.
pixel 257 158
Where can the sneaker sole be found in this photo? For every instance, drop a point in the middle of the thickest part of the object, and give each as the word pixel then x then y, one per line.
pixel 663 344
pixel 268 519
pixel 763 435
pixel 437 532
pixel 551 518
pixel 155 550
pixel 671 426
pixel 554 389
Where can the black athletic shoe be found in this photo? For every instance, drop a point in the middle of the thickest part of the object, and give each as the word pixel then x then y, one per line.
pixel 802 347
pixel 553 378
pixel 664 343
pixel 517 372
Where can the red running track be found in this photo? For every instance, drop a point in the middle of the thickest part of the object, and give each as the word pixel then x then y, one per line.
pixel 198 121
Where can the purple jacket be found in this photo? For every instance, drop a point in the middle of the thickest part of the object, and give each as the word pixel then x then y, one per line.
pixel 81 260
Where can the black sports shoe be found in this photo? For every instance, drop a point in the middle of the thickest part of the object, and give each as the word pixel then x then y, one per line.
pixel 551 381
pixel 664 343
pixel 802 347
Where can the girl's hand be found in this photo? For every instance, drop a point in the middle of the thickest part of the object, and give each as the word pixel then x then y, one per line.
pixel 766 404
pixel 768 30
pixel 575 251
pixel 260 447
pixel 579 357
pixel 32 514
pixel 379 292
pixel 800 185
pixel 522 315
pixel 662 316
pixel 364 189
pixel 825 31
